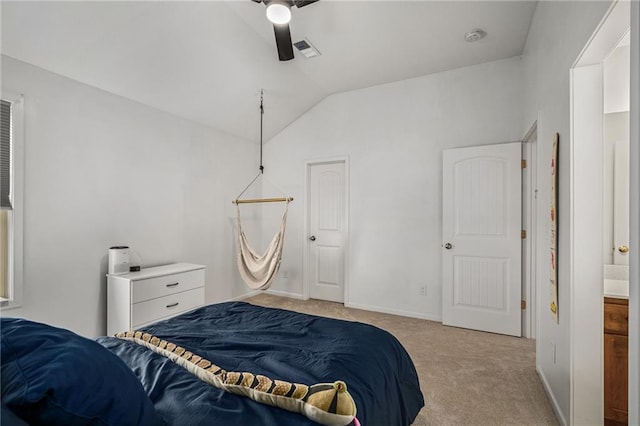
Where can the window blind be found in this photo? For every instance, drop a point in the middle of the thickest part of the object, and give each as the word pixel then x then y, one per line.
pixel 5 155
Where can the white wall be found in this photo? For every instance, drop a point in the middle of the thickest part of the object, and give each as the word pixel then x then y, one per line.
pixel 616 80
pixel 394 135
pixel 558 33
pixel 102 170
pixel 586 197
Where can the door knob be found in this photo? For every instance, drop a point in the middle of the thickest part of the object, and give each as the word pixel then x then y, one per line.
pixel 448 246
pixel 623 249
pixel 312 238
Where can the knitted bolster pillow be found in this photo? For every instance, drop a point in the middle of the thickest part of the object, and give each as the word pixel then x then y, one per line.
pixel 325 403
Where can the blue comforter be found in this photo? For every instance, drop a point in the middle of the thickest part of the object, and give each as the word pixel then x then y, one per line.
pixel 280 344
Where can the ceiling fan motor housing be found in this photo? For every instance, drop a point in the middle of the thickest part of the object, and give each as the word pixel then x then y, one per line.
pixel 279 13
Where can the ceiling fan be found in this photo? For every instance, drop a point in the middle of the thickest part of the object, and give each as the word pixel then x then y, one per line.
pixel 279 13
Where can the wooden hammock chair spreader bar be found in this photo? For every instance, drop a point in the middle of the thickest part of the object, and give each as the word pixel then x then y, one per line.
pixel 264 200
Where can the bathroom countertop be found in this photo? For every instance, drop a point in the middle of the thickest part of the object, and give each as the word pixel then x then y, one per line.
pixel 618 289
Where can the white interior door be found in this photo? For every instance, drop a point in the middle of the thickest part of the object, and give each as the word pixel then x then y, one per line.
pixel 327 231
pixel 481 256
pixel 621 203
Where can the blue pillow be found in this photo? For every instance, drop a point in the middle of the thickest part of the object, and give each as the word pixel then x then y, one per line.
pixel 51 376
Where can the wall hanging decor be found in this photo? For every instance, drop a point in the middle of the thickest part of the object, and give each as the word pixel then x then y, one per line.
pixel 553 273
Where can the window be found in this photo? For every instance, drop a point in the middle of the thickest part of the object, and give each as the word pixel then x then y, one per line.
pixel 11 212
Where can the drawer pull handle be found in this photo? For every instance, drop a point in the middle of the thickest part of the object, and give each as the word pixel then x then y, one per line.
pixel 172 285
pixel 172 305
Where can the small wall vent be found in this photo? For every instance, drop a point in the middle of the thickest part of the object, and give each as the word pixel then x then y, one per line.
pixel 306 48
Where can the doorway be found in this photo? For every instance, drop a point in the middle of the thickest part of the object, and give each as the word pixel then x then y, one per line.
pixel 326 235
pixel 530 227
pixel 587 216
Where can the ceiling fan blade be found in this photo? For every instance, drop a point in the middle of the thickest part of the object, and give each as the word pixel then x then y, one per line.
pixel 303 3
pixel 283 41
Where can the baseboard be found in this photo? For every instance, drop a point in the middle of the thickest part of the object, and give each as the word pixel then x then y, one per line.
pixel 298 296
pixel 399 312
pixel 554 403
pixel 284 294
pixel 242 296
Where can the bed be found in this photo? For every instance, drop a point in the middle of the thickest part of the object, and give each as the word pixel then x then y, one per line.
pixel 280 344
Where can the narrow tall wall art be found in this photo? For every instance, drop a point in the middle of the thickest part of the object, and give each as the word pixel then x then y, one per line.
pixel 553 273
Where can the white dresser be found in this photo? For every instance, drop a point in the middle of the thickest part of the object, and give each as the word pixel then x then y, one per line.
pixel 140 298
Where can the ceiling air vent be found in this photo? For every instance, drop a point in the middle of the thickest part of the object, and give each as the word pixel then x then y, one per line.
pixel 306 48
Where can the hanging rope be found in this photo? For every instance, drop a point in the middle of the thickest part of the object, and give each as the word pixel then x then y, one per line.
pixel 247 187
pixel 261 172
pixel 261 114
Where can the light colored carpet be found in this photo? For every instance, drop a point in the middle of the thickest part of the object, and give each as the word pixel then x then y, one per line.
pixel 467 377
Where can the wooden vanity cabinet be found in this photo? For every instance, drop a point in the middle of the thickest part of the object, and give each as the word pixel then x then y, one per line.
pixel 616 359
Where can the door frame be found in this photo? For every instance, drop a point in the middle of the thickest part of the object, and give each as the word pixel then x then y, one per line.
pixel 305 226
pixel 634 220
pixel 530 225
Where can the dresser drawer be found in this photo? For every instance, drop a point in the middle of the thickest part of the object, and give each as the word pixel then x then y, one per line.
pixel 167 306
pixel 152 288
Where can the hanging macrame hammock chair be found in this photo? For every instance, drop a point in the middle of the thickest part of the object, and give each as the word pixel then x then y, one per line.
pixel 258 270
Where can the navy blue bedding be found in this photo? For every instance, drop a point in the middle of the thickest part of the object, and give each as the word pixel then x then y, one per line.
pixel 280 344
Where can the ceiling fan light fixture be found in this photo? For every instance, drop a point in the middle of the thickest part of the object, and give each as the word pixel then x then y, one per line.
pixel 278 12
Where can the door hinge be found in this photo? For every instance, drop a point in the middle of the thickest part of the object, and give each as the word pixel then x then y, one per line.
pixel 523 234
pixel 524 164
pixel 523 304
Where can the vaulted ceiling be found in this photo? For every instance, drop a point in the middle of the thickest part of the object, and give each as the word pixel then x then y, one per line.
pixel 208 60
